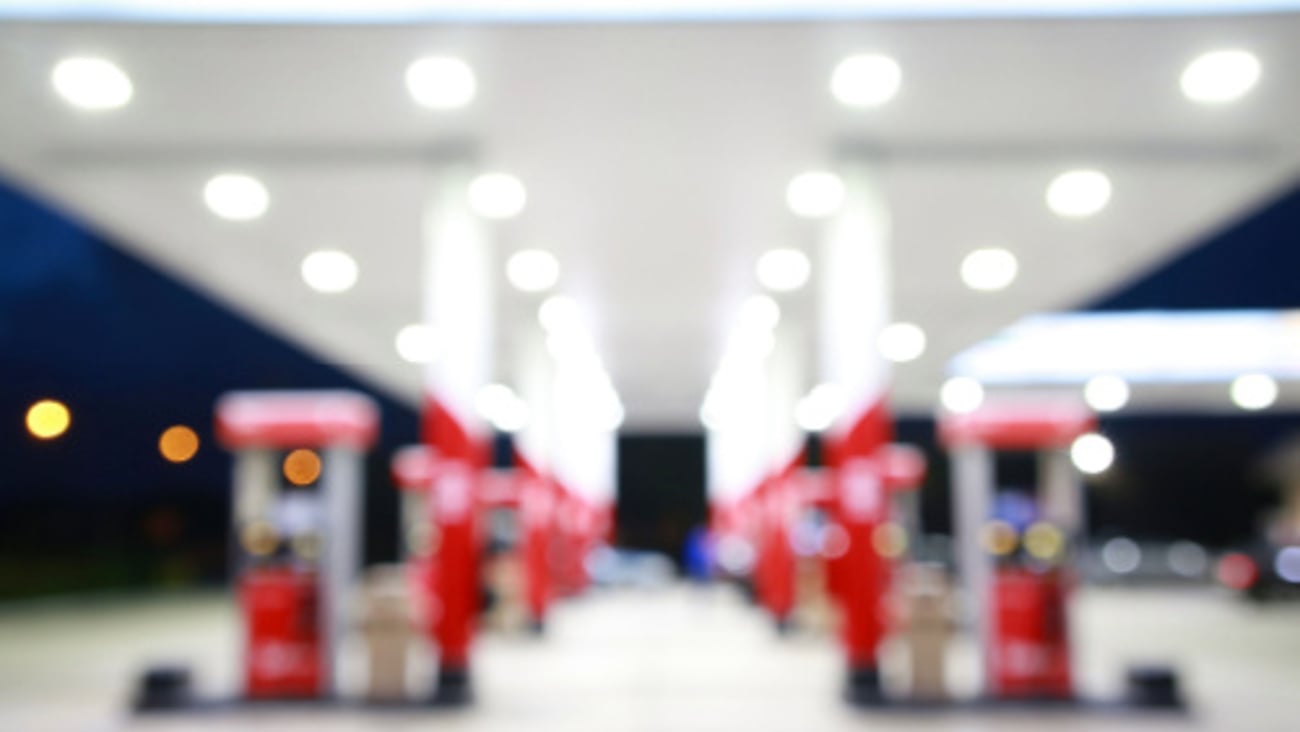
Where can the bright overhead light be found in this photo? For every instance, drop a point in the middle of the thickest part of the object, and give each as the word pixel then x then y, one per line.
pixel 498 404
pixel 441 82
pixel 91 83
pixel 417 343
pixel 901 342
pixel 961 395
pixel 867 80
pixel 989 269
pixel 533 270
pixel 1220 76
pixel 783 270
pixel 1254 392
pixel 1106 393
pixel 818 410
pixel 815 194
pixel 1078 193
pixel 236 197
pixel 497 196
pixel 329 271
pixel 559 313
pixel 760 312
pixel 1092 453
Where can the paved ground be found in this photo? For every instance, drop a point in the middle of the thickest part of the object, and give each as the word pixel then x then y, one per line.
pixel 678 660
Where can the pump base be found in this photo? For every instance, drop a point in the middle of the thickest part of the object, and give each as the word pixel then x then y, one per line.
pixel 863 688
pixel 454 688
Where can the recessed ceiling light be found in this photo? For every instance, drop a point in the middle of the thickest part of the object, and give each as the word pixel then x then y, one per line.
pixel 329 271
pixel 497 196
pixel 533 270
pixel 961 395
pixel 1092 453
pixel 989 269
pixel 815 194
pixel 901 342
pixel 92 83
pixel 498 404
pixel 441 82
pixel 418 343
pixel 1078 193
pixel 867 80
pixel 1106 393
pixel 760 313
pixel 236 197
pixel 819 409
pixel 559 314
pixel 783 270
pixel 1220 76
pixel 1254 392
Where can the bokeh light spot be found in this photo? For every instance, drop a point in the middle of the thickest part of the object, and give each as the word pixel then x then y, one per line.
pixel 48 419
pixel 178 444
pixel 302 467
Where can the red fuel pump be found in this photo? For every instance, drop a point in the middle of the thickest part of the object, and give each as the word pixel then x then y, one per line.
pixel 1019 585
pixel 296 525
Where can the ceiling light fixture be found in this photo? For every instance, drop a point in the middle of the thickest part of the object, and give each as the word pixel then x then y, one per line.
pixel 1078 193
pixel 866 80
pixel 497 196
pixel 533 270
pixel 988 270
pixel 783 270
pixel 1106 393
pixel 961 395
pixel 236 197
pixel 417 343
pixel 901 342
pixel 1220 77
pixel 815 194
pixel 329 271
pixel 441 82
pixel 1254 392
pixel 92 84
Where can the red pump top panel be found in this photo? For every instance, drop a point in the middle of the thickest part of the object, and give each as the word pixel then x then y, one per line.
pixel 1018 426
pixel 296 419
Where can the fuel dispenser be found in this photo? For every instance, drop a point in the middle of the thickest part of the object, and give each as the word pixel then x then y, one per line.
pixel 1018 583
pixel 296 523
pixel 296 515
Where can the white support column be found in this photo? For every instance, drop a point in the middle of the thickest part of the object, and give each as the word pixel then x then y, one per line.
pixel 972 494
pixel 341 483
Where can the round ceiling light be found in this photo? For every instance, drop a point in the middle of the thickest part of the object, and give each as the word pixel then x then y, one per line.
pixel 1219 77
pixel 1106 393
pixel 533 270
pixel 329 271
pixel 93 84
pixel 1078 193
pixel 815 194
pixel 866 80
pixel 417 343
pixel 497 196
pixel 1254 392
pixel 961 395
pixel 236 197
pixel 441 82
pixel 783 270
pixel 901 342
pixel 988 270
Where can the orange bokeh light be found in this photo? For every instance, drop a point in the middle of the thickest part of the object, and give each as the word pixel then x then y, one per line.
pixel 178 443
pixel 302 467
